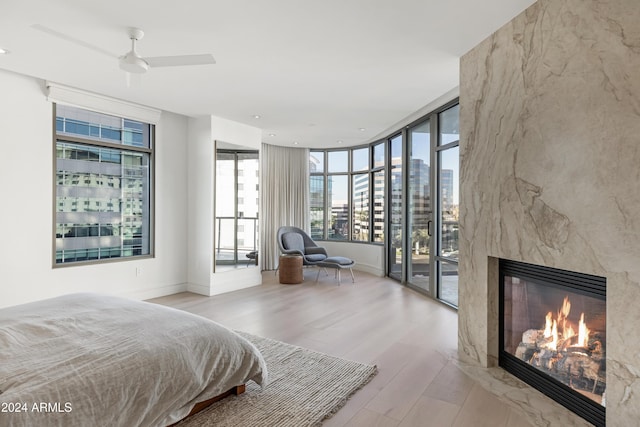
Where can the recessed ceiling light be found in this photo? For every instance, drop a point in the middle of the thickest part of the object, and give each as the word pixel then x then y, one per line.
pixel 339 141
pixel 362 129
pixel 272 134
pixel 295 142
pixel 256 116
pixel 3 51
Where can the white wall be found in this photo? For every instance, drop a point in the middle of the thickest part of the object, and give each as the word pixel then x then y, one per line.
pixel 203 133
pixel 200 186
pixel 26 209
pixel 229 132
pixel 368 258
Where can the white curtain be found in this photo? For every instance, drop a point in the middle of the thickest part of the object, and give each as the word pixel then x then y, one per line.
pixel 284 200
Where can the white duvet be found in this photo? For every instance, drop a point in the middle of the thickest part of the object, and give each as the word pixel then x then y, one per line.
pixel 95 360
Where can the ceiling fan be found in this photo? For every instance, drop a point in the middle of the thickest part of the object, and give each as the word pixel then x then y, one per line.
pixel 132 61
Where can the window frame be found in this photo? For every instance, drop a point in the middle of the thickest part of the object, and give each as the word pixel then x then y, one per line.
pixel 385 167
pixel 350 173
pixel 98 144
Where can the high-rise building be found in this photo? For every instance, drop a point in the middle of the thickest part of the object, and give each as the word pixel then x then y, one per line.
pixel 103 194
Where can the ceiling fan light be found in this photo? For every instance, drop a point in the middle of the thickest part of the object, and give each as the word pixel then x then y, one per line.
pixel 133 63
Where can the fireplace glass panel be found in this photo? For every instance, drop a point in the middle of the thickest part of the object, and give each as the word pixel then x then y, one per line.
pixel 559 331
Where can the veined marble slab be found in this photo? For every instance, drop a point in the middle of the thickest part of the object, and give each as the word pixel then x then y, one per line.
pixel 550 173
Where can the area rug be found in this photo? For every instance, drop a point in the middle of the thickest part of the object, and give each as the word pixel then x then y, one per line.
pixel 305 387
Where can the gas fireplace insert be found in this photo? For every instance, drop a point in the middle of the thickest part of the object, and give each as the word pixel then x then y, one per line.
pixel 553 334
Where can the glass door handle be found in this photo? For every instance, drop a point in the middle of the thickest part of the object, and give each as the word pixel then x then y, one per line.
pixel 429 228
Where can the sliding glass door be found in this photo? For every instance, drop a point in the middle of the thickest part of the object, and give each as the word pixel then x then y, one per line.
pixel 236 209
pixel 396 212
pixel 448 153
pixel 419 226
pixel 424 206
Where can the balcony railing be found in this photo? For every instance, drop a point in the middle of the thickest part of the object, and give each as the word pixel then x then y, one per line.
pixel 232 246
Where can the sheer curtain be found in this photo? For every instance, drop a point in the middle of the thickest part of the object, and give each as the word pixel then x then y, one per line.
pixel 284 188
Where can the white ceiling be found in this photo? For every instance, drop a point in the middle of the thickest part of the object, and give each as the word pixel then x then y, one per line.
pixel 316 72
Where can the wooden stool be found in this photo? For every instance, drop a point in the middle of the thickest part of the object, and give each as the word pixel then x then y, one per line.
pixel 291 269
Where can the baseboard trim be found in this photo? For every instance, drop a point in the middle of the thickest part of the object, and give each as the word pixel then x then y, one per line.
pixel 198 289
pixel 365 268
pixel 145 294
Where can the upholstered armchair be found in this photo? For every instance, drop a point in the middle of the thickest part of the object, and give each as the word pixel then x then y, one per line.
pixel 294 241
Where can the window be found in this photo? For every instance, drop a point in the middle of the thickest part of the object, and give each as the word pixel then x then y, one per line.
pixel 378 192
pixel 316 161
pixel 316 201
pixel 338 161
pixel 337 189
pixel 103 186
pixel 360 159
pixel 236 207
pixel 360 207
pixel 343 187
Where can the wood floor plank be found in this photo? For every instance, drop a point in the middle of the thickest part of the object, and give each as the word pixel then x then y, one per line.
pixel 366 418
pixel 403 391
pixel 450 385
pixel 431 412
pixel 482 409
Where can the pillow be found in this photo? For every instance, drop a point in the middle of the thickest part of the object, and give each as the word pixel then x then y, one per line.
pixel 293 241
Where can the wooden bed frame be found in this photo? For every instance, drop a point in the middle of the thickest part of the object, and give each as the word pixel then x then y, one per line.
pixel 201 406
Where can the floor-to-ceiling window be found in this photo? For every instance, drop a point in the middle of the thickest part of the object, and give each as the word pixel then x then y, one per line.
pixel 420 210
pixel 431 194
pixel 401 192
pixel 448 153
pixel 396 212
pixel 236 208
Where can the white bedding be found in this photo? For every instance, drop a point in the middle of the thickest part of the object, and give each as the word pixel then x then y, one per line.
pixel 96 360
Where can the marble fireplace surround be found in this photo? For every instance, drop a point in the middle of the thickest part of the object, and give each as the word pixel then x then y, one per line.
pixel 550 175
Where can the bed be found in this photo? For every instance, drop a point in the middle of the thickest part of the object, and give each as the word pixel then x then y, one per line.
pixel 88 359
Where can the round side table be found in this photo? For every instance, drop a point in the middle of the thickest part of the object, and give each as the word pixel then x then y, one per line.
pixel 291 269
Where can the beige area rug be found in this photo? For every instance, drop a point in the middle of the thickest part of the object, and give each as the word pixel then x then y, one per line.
pixel 305 387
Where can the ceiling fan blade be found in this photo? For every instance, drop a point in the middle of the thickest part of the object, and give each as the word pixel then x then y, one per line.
pixel 180 60
pixel 71 39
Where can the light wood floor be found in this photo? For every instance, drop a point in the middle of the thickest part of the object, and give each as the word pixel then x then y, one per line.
pixel 376 320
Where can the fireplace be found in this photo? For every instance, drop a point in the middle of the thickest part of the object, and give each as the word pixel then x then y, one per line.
pixel 553 334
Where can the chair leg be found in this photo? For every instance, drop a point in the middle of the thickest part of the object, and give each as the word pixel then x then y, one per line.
pixel 318 275
pixel 338 273
pixel 353 279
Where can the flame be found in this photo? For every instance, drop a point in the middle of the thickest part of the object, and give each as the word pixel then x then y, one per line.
pixel 583 332
pixel 551 331
pixel 568 332
pixel 561 327
pixel 547 325
pixel 566 307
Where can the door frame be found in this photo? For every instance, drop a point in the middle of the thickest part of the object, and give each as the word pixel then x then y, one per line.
pixel 435 244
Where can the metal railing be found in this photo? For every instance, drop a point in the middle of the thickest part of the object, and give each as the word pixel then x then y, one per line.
pixel 229 246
